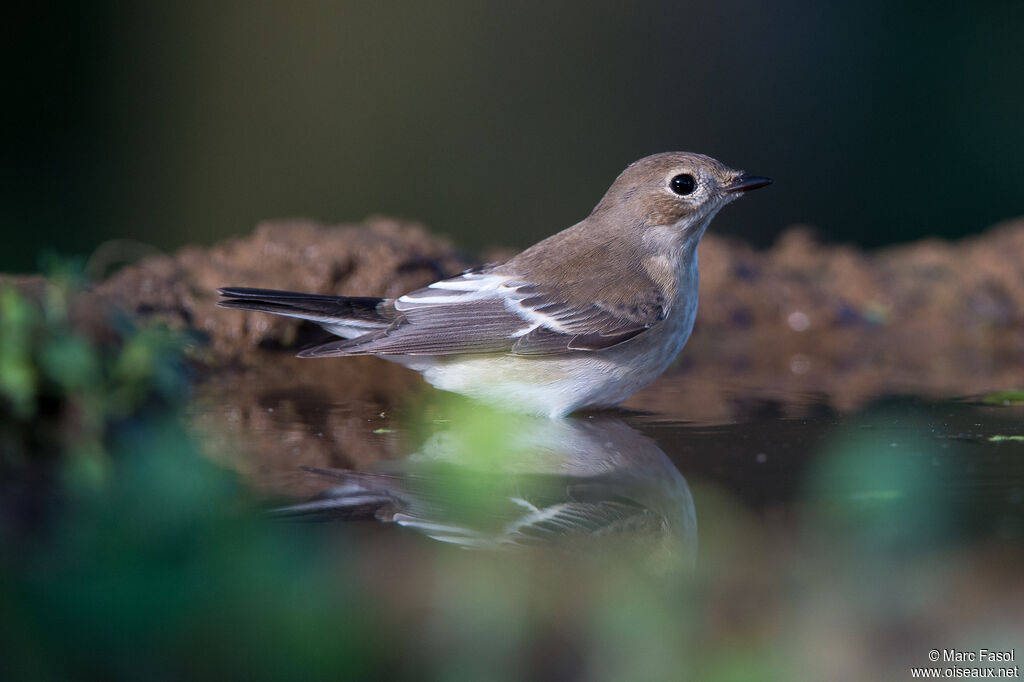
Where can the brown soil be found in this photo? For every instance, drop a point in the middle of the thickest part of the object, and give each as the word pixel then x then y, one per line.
pixel 933 318
pixel 380 258
pixel 798 324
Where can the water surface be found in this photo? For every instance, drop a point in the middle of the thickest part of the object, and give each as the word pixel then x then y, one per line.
pixel 789 533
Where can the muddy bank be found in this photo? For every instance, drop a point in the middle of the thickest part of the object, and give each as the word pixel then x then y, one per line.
pixel 796 324
pixel 933 318
pixel 379 258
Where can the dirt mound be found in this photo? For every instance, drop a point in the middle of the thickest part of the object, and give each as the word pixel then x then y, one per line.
pixel 380 258
pixel 802 318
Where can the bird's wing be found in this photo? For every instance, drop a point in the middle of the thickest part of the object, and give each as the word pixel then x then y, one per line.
pixel 482 312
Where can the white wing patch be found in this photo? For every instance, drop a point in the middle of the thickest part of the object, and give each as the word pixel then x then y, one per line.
pixel 473 286
pixel 538 318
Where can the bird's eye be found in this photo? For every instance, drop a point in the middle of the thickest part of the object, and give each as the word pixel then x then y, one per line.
pixel 683 184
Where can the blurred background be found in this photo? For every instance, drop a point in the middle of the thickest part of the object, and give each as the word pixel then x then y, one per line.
pixel 500 123
pixel 843 532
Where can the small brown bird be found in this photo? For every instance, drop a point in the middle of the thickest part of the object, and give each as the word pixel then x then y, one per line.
pixel 584 318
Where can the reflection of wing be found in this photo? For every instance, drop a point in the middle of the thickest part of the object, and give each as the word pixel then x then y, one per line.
pixel 483 510
pixel 526 521
pixel 479 312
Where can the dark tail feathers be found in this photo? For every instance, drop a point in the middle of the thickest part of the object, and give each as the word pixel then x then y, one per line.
pixel 314 307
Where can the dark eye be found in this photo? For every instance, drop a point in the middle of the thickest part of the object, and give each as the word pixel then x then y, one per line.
pixel 683 184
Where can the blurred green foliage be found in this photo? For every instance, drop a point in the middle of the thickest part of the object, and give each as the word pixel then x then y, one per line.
pixel 878 486
pixel 124 549
pixel 1004 397
pixel 126 553
pixel 149 560
pixel 62 392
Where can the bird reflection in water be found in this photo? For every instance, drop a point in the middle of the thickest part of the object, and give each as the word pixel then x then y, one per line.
pixel 570 483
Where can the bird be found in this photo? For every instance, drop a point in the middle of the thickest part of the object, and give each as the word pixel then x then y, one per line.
pixel 580 320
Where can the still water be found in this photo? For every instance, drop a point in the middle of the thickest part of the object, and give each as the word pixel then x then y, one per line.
pixel 783 538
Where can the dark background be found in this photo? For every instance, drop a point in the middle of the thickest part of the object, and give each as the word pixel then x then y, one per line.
pixel 501 122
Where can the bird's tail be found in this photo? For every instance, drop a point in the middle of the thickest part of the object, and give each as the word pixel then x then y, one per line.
pixel 346 316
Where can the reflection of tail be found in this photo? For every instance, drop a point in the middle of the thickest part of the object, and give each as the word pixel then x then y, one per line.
pixel 359 496
pixel 363 496
pixel 346 316
pixel 451 504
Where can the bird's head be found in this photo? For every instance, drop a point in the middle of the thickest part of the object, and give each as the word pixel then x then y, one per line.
pixel 678 190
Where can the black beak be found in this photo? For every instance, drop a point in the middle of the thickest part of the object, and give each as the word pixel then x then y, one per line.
pixel 745 183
